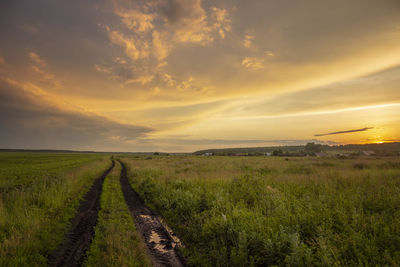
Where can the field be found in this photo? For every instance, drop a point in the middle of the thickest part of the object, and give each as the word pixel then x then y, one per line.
pixel 237 211
pixel 226 211
pixel 39 194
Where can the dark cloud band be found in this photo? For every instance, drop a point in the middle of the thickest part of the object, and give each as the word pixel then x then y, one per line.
pixel 348 131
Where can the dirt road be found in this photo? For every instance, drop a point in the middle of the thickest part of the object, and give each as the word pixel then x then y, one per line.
pixel 160 241
pixel 79 237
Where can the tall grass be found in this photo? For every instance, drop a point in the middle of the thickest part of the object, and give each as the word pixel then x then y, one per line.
pixel 39 194
pixel 232 211
pixel 116 242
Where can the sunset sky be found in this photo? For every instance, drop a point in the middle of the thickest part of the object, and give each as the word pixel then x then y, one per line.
pixel 183 75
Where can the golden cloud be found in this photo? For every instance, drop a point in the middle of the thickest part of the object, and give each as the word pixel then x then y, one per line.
pixel 248 40
pixel 39 68
pixel 253 63
pixel 135 48
pixel 37 59
pixel 136 21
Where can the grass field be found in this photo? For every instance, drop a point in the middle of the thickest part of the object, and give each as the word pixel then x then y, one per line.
pixel 227 211
pixel 237 211
pixel 39 194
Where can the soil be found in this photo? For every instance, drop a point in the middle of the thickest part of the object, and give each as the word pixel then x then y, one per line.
pixel 161 242
pixel 77 241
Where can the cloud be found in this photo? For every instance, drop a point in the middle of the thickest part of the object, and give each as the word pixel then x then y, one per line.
pixel 347 131
pixel 161 53
pixel 184 21
pixel 371 91
pixel 135 20
pixel 161 47
pixel 37 59
pixel 148 32
pixel 190 23
pixel 102 69
pixel 253 63
pixel 135 48
pixel 25 108
pixel 222 23
pixel 248 40
pixel 269 53
pixel 141 79
pixel 38 66
pixel 2 61
pixel 126 73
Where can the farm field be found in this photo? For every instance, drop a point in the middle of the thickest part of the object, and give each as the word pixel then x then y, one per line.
pixel 39 195
pixel 262 211
pixel 226 211
pixel 68 209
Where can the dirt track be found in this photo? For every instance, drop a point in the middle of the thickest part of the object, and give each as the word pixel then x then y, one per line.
pixel 160 241
pixel 79 237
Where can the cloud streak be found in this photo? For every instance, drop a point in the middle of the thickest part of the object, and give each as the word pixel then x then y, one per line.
pixel 347 131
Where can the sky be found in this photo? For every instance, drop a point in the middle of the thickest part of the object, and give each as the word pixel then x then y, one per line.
pixel 184 75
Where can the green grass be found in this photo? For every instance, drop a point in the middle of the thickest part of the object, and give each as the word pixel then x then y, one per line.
pixel 227 211
pixel 116 242
pixel 39 194
pixel 238 211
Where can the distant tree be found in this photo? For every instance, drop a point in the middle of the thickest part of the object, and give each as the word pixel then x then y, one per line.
pixel 312 148
pixel 277 152
pixel 156 153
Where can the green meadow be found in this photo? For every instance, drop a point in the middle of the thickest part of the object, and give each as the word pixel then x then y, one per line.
pixel 226 211
pixel 40 193
pixel 264 211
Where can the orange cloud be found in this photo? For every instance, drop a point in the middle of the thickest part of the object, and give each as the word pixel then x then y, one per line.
pixel 39 68
pixel 37 59
pixel 135 48
pixel 253 63
pixel 135 20
pixel 248 40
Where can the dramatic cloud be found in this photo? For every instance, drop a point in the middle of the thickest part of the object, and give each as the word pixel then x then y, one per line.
pixel 212 70
pixel 25 110
pixel 155 28
pixel 347 131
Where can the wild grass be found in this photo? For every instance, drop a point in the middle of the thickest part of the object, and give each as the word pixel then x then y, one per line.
pixel 39 194
pixel 262 211
pixel 116 242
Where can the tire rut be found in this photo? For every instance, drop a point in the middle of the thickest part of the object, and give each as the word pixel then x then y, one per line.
pixel 161 242
pixel 77 241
